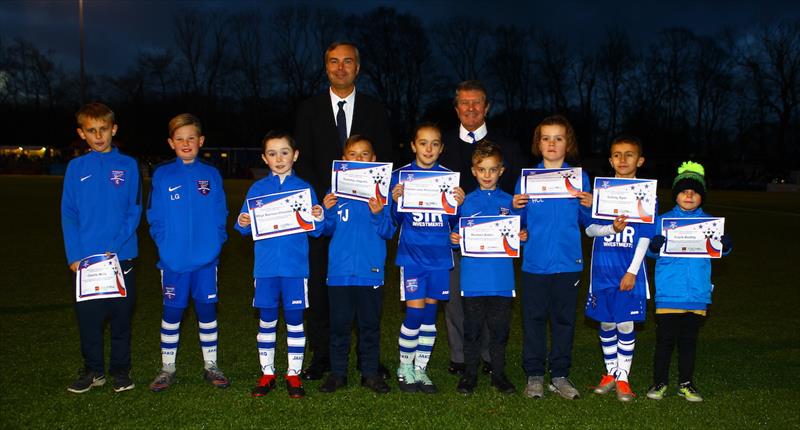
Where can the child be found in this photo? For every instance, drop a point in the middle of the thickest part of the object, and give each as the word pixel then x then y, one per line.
pixel 100 211
pixel 487 284
pixel 618 290
pixel 683 290
pixel 281 268
pixel 355 273
pixel 187 214
pixel 425 260
pixel 552 264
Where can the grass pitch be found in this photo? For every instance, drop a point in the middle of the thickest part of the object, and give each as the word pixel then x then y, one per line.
pixel 748 355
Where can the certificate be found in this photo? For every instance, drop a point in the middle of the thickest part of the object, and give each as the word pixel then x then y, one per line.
pixel 489 236
pixel 280 214
pixel 692 237
pixel 635 198
pixel 360 180
pixel 551 183
pixel 99 276
pixel 428 191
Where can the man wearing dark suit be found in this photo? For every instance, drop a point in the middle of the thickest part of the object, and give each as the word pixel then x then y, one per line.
pixel 472 105
pixel 323 124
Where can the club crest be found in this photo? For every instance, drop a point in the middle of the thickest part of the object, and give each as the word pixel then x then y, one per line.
pixel 411 285
pixel 169 292
pixel 204 187
pixel 117 177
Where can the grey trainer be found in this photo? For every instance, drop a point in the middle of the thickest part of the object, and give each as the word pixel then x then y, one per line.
pixel 564 388
pixel 535 387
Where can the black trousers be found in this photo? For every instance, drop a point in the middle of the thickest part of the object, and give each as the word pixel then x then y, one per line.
pixel 364 305
pixel 318 312
pixel 495 314
pixel 92 316
pixel 676 329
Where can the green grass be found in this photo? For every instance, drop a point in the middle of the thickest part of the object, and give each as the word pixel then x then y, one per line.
pixel 748 362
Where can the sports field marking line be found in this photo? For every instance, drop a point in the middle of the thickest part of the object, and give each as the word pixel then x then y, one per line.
pixel 766 211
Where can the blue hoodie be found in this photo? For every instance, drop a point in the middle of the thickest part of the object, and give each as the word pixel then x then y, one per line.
pixel 682 283
pixel 187 214
pixel 282 256
pixel 554 232
pixel 101 205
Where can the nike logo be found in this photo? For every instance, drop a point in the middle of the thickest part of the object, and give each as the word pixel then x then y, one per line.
pixel 343 205
pixel 127 271
pixel 171 189
pixel 85 177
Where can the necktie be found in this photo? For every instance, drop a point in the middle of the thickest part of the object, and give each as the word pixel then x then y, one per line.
pixel 472 135
pixel 341 123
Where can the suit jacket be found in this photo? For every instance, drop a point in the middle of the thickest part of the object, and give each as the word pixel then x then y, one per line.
pixel 318 140
pixel 457 156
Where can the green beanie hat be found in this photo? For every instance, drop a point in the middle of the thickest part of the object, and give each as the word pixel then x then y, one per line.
pixel 691 176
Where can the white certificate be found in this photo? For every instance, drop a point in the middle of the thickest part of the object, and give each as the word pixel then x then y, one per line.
pixel 489 236
pixel 428 191
pixel 361 180
pixel 280 214
pixel 99 277
pixel 692 237
pixel 635 198
pixel 551 183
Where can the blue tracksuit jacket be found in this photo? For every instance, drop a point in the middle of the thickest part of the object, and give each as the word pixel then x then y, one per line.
pixel 284 256
pixel 101 205
pixel 187 214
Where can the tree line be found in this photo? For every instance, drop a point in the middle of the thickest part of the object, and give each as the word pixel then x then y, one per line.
pixel 731 98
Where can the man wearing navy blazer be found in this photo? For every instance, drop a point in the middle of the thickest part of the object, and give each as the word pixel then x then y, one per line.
pixel 471 105
pixel 323 124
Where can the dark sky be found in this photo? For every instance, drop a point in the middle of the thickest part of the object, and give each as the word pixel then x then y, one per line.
pixel 116 30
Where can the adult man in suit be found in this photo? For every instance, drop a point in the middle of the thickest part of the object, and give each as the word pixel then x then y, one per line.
pixel 471 105
pixel 323 124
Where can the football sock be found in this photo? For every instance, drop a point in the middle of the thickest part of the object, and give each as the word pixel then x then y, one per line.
pixel 608 341
pixel 295 340
pixel 427 336
pixel 409 334
pixel 627 342
pixel 207 321
pixel 267 325
pixel 170 335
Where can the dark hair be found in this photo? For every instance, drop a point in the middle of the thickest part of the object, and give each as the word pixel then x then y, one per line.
pixel 337 44
pixel 572 143
pixel 486 149
pixel 629 139
pixel 278 134
pixel 471 85
pixel 426 124
pixel 94 110
pixel 355 138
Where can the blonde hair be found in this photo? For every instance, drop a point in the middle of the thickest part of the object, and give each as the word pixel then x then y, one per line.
pixel 182 120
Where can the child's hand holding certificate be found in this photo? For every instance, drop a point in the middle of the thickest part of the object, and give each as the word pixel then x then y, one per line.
pixel 692 237
pixel 99 277
pixel 361 180
pixel 279 214
pixel 634 198
pixel 428 191
pixel 552 183
pixel 490 236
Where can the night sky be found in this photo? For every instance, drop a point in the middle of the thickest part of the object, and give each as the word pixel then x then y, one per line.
pixel 116 30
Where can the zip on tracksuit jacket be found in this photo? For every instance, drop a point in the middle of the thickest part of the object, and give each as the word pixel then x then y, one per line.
pixel 682 283
pixel 357 252
pixel 424 241
pixel 487 276
pixel 101 205
pixel 187 213
pixel 282 256
pixel 554 232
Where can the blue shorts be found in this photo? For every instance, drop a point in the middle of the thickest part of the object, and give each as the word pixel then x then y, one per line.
pixel 416 283
pixel 200 284
pixel 270 291
pixel 613 305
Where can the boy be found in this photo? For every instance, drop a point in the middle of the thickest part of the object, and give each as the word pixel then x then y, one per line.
pixel 355 274
pixel 281 268
pixel 100 210
pixel 487 284
pixel 618 289
pixel 425 260
pixel 683 290
pixel 187 213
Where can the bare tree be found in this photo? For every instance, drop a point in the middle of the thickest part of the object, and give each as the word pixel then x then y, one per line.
pixel 512 67
pixel 552 65
pixel 614 62
pixel 711 83
pixel 463 42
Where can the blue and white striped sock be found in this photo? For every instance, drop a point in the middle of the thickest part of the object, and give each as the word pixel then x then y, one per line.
pixel 427 337
pixel 170 337
pixel 207 321
pixel 625 347
pixel 295 340
pixel 608 341
pixel 409 334
pixel 267 327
